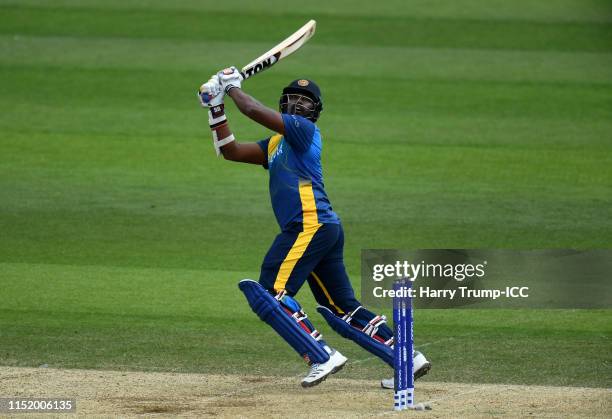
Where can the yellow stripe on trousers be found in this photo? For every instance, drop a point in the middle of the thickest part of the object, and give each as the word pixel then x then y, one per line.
pixel 329 299
pixel 310 227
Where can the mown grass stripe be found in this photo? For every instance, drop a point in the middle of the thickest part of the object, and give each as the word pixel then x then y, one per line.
pixel 415 63
pixel 530 10
pixel 344 30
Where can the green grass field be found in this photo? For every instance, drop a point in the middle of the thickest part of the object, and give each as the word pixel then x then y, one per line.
pixel 476 124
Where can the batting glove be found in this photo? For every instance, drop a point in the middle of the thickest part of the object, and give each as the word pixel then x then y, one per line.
pixel 211 93
pixel 230 78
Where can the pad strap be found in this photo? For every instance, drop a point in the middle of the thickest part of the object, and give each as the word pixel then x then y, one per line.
pixel 373 325
pixel 348 317
pixel 294 309
pixel 370 328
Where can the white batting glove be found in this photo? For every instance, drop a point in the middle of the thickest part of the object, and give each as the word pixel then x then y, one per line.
pixel 211 93
pixel 229 78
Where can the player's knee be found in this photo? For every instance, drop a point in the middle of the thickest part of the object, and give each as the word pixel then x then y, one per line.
pixel 348 305
pixel 268 285
pixel 340 307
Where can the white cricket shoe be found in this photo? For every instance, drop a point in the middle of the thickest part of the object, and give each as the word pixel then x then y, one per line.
pixel 339 361
pixel 319 372
pixel 420 366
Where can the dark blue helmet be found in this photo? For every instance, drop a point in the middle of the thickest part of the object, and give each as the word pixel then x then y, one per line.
pixel 302 97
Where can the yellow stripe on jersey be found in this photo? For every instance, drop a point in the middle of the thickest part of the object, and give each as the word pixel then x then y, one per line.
pixel 310 227
pixel 273 144
pixel 329 299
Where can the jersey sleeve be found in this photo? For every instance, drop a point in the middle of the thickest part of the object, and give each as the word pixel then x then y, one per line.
pixel 299 132
pixel 263 144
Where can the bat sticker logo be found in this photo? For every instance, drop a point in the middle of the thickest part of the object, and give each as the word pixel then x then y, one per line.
pixel 268 62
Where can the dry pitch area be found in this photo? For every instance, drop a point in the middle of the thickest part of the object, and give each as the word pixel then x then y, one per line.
pixel 137 393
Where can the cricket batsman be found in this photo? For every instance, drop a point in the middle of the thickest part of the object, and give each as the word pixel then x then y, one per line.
pixel 309 247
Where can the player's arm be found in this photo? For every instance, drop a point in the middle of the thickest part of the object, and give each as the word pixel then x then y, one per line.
pixel 230 80
pixel 256 111
pixel 240 152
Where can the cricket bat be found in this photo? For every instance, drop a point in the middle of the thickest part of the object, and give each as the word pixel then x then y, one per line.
pixel 282 50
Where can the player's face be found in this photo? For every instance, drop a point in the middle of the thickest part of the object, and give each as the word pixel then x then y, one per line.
pixel 297 104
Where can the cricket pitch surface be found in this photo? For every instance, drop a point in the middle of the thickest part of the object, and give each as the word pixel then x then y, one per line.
pixel 129 393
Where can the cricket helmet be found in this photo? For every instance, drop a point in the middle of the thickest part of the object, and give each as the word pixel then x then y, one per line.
pixel 302 97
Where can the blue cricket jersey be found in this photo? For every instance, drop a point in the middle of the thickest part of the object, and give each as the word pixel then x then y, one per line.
pixel 296 177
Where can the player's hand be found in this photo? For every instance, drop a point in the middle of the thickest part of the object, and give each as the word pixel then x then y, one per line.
pixel 229 78
pixel 211 93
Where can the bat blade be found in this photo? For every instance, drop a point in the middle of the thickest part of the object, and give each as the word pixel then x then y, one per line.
pixel 280 51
